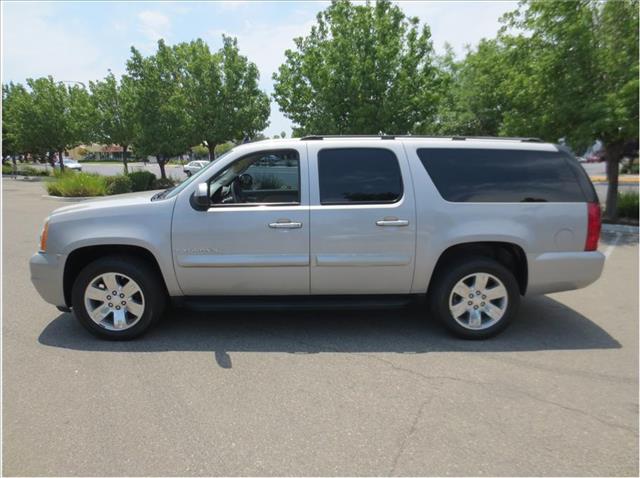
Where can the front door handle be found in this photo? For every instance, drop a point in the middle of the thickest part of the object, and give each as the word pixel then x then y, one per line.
pixel 285 224
pixel 392 221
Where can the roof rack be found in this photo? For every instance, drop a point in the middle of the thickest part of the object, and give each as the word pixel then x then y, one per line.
pixel 317 137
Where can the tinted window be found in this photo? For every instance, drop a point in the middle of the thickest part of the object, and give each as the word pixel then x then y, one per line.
pixel 490 175
pixel 359 175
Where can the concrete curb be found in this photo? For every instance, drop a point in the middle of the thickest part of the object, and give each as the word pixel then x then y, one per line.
pixel 65 199
pixel 620 228
pixel 621 180
pixel 29 179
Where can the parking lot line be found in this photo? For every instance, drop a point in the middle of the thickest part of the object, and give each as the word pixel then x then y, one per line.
pixel 609 250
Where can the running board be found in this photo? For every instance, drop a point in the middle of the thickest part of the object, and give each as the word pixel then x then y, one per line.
pixel 275 303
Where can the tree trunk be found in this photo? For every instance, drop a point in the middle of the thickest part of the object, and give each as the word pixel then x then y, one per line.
pixel 161 161
pixel 124 158
pixel 60 156
pixel 613 154
pixel 212 151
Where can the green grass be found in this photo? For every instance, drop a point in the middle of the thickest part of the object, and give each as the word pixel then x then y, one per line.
pixel 77 185
pixel 23 170
pixel 628 205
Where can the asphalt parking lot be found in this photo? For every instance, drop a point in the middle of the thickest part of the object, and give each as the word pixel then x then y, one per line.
pixel 326 393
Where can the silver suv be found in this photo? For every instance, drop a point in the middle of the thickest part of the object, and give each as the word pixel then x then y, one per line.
pixel 472 224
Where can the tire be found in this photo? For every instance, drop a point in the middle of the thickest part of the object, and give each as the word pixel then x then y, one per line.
pixel 482 316
pixel 137 311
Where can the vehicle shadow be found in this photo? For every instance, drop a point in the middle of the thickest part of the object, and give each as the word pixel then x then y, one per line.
pixel 542 324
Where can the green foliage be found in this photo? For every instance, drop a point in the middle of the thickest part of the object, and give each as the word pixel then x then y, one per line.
pixel 22 170
pixel 118 184
pixel 362 69
pixel 221 88
pixel 77 185
pixel 630 168
pixel 628 205
pixel 223 148
pixel 31 171
pixel 473 100
pixel 141 180
pixel 14 134
pixel 114 112
pixel 46 117
pixel 270 181
pixel 164 127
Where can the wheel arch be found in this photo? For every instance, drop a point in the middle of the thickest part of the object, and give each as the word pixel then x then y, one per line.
pixel 509 254
pixel 80 257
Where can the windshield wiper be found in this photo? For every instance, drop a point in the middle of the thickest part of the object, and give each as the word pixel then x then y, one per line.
pixel 161 194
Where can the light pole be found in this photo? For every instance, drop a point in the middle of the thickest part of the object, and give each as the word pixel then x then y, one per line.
pixel 74 81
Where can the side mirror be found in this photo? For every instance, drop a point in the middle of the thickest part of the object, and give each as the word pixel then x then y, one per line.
pixel 200 199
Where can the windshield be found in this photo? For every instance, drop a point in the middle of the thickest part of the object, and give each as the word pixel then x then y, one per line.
pixel 176 190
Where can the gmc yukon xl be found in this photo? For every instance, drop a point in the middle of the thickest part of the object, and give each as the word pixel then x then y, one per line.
pixel 471 224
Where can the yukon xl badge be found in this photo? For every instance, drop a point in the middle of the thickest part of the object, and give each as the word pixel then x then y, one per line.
pixel 198 251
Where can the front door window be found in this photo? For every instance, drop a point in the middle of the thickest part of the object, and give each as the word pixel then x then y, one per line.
pixel 271 177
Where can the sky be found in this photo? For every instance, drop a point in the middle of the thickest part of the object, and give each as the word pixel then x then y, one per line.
pixel 82 41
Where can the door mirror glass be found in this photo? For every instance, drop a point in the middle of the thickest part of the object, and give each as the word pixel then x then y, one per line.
pixel 200 199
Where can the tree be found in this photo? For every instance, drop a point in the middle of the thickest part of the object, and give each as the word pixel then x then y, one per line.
pixel 472 101
pixel 49 117
pixel 164 128
pixel 578 78
pixel 225 101
pixel 362 69
pixel 616 123
pixel 14 99
pixel 114 116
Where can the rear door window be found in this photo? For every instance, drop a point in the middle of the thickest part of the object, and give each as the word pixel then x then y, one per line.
pixel 359 175
pixel 501 175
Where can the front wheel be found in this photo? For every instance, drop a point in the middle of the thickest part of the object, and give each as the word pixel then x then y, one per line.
pixel 475 298
pixel 118 297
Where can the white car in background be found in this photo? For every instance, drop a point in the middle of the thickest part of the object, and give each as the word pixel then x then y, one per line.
pixel 70 164
pixel 194 167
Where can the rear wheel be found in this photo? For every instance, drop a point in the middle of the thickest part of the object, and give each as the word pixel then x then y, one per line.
pixel 118 297
pixel 475 298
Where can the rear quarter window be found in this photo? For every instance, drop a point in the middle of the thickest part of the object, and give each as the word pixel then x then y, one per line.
pixel 490 175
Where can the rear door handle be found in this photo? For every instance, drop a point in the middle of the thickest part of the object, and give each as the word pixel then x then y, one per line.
pixel 389 221
pixel 285 224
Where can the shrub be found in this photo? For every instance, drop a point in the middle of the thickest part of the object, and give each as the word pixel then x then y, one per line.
pixel 7 168
pixel 142 180
pixel 54 189
pixel 628 205
pixel 77 185
pixel 31 171
pixel 118 184
pixel 270 181
pixel 164 183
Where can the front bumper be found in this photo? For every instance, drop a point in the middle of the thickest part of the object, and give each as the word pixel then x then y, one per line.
pixel 47 273
pixel 559 271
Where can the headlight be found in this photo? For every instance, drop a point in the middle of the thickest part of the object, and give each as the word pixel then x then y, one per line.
pixel 43 236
